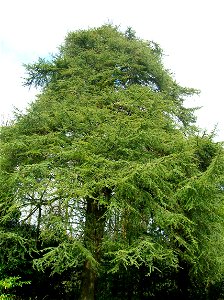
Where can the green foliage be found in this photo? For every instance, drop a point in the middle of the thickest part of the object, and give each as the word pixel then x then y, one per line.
pixel 8 284
pixel 106 174
pixel 63 257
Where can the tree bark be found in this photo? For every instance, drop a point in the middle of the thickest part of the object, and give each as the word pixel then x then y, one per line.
pixel 88 282
pixel 94 230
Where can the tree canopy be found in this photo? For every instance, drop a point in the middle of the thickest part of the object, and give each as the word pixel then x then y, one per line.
pixel 107 187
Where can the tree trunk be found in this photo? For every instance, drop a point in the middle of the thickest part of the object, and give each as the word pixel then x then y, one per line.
pixel 88 282
pixel 94 230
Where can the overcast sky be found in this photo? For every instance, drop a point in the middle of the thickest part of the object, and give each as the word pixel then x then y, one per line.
pixel 189 31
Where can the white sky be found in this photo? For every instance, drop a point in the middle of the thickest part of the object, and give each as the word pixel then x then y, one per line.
pixel 189 31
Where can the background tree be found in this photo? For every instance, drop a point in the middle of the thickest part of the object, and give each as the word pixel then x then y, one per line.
pixel 111 175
